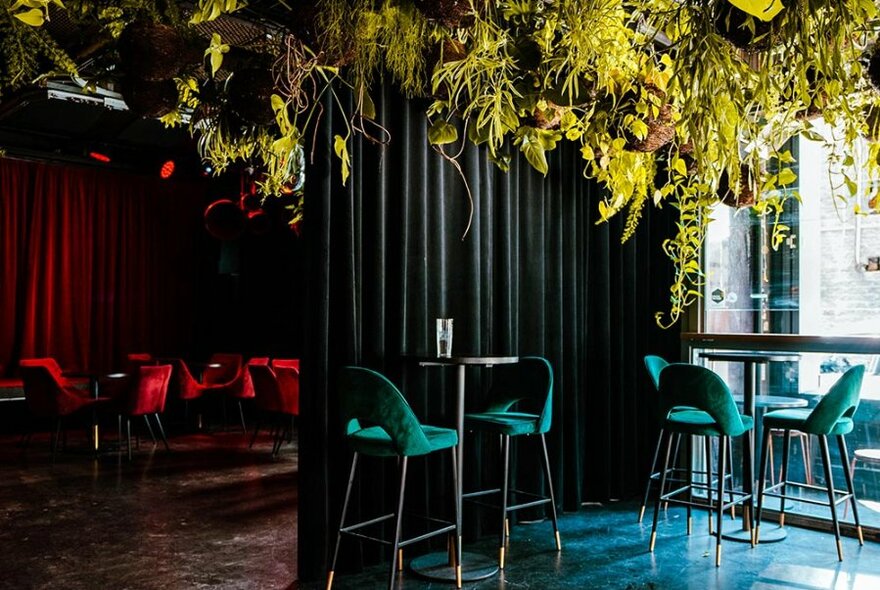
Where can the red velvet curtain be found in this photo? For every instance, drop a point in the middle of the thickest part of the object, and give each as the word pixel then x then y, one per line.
pixel 94 264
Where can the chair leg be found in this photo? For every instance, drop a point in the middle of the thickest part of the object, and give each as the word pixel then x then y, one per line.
pixel 783 472
pixel 663 474
pixel 128 435
pixel 731 495
pixel 689 471
pixel 749 509
pixel 161 432
pixel 651 475
pixel 762 478
pixel 150 430
pixel 847 474
pixel 552 495
pixel 505 476
pixel 354 460
pixel 829 484
pixel 708 443
pixel 241 415
pixel 722 468
pixel 808 457
pixel 395 556
pixel 56 438
pixel 772 462
pixel 457 499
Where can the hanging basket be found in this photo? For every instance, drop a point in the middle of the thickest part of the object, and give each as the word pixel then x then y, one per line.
pixel 745 195
pixel 449 13
pixel 733 25
pixel 873 64
pixel 548 118
pixel 249 94
pixel 149 100
pixel 661 129
pixel 153 51
pixel 224 220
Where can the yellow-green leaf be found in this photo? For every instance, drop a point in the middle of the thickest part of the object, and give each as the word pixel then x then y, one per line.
pixel 442 133
pixel 785 177
pixel 341 149
pixel 761 9
pixel 33 17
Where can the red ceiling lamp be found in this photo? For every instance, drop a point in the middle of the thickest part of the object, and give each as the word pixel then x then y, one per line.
pixel 100 157
pixel 167 169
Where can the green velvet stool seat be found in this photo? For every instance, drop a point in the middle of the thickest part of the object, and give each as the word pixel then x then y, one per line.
pixel 700 405
pixel 379 422
pixel 520 403
pixel 832 416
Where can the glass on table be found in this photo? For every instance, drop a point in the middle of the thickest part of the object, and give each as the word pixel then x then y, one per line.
pixel 444 337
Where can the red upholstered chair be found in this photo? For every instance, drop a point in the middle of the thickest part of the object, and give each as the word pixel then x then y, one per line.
pixel 50 395
pixel 278 401
pixel 147 398
pixel 229 378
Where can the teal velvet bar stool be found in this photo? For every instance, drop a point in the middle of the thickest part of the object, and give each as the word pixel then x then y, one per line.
pixel 832 416
pixel 654 364
pixel 380 423
pixel 528 385
pixel 714 414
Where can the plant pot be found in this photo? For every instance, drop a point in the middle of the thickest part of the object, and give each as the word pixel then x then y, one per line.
pixel 148 99
pixel 450 13
pixel 745 196
pixel 153 51
pixel 548 118
pixel 661 129
pixel 302 24
pixel 249 95
pixel 731 24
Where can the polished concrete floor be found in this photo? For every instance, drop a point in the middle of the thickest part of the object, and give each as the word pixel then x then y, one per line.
pixel 214 514
pixel 604 547
pixel 209 514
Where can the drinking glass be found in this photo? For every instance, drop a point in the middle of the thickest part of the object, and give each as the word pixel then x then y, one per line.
pixel 444 337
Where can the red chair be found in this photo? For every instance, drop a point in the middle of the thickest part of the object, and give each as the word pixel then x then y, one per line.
pixel 227 378
pixel 147 399
pixel 50 395
pixel 276 399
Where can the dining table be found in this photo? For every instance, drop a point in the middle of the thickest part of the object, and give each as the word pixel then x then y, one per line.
pixel 474 567
pixel 751 392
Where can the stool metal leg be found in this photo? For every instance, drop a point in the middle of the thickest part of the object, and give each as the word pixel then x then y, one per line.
pixel 354 460
pixel 505 462
pixel 663 473
pixel 829 484
pixel 762 478
pixel 552 495
pixel 688 445
pixel 749 509
pixel 456 549
pixel 847 474
pixel 722 468
pixel 651 475
pixel 395 555
pixel 708 443
pixel 783 473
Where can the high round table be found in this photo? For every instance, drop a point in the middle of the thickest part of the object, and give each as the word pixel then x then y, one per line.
pixel 435 566
pixel 749 359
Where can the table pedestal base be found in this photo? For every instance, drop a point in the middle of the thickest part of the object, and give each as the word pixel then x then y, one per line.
pixel 770 533
pixel 435 566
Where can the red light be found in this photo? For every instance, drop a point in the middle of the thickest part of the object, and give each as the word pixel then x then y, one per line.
pixel 99 157
pixel 167 169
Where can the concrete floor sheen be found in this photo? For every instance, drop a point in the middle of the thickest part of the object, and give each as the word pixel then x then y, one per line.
pixel 209 514
pixel 214 514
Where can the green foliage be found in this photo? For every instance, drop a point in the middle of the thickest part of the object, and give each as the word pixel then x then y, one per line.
pixel 208 10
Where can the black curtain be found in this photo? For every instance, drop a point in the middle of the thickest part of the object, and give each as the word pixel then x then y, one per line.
pixel 535 275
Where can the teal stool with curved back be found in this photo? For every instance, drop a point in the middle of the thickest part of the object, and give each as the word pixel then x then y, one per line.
pixel 712 413
pixel 379 422
pixel 654 365
pixel 520 403
pixel 832 416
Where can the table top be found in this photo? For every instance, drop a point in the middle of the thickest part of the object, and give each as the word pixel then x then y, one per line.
pixel 753 356
pixel 774 401
pixel 487 360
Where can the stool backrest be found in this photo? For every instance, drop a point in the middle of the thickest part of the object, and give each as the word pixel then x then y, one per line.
pixel 683 384
pixel 529 381
pixel 368 398
pixel 655 364
pixel 841 401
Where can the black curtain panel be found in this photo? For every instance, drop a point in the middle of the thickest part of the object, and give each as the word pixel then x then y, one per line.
pixel 530 273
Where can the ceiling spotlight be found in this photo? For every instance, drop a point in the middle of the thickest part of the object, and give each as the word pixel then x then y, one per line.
pixel 167 169
pixel 99 157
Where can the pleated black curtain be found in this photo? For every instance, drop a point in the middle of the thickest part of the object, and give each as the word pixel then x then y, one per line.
pixel 533 276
